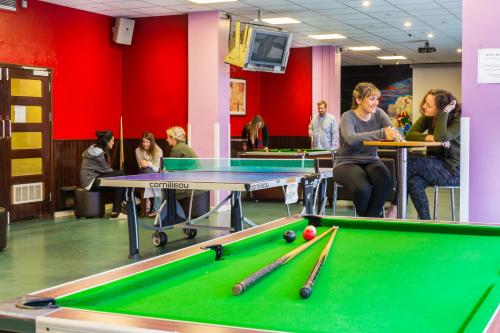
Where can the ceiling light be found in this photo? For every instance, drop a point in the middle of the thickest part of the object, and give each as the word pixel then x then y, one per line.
pixel 280 20
pixel 393 57
pixel 366 3
pixel 430 35
pixel 363 48
pixel 210 1
pixel 328 36
pixel 407 24
pixel 459 50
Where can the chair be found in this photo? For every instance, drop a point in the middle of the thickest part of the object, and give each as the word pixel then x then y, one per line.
pixel 88 204
pixel 452 195
pixel 340 194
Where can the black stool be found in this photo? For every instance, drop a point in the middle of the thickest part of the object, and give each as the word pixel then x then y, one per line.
pixel 201 204
pixel 88 204
pixel 3 228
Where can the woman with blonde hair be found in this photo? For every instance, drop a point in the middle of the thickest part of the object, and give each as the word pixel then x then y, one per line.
pixel 357 167
pixel 148 156
pixel 256 133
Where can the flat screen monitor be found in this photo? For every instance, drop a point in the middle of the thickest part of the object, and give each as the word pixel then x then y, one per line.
pixel 269 48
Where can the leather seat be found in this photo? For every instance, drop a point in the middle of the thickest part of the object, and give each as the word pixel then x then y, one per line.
pixel 201 204
pixel 88 204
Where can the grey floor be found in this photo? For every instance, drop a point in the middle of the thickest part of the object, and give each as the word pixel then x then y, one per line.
pixel 44 253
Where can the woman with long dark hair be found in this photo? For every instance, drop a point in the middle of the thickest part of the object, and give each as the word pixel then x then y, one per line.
pixel 96 163
pixel 439 122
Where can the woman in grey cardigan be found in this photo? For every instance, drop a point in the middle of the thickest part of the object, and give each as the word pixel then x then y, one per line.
pixel 96 163
pixel 357 167
pixel 148 156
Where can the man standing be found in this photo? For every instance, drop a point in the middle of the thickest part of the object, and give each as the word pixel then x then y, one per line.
pixel 323 129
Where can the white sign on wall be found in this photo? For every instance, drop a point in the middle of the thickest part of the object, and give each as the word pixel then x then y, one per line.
pixel 488 66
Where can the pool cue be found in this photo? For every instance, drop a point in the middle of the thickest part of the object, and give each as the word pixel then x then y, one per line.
pixel 306 290
pixel 243 285
pixel 121 144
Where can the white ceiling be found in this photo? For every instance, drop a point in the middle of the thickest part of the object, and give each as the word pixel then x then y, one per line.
pixel 380 24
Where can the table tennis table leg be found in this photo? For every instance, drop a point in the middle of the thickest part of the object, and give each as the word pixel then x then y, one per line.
pixel 308 195
pixel 321 196
pixel 133 229
pixel 236 211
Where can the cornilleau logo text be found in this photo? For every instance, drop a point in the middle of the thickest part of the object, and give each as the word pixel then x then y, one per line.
pixel 168 185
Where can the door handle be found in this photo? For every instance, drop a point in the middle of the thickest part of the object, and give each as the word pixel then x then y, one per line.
pixel 10 129
pixel 3 129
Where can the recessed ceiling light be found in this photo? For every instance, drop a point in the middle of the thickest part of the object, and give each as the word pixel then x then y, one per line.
pixel 393 57
pixel 366 3
pixel 459 50
pixel 328 36
pixel 363 48
pixel 210 1
pixel 280 20
pixel 407 24
pixel 430 35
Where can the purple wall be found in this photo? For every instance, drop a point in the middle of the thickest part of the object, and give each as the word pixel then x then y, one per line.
pixel 480 30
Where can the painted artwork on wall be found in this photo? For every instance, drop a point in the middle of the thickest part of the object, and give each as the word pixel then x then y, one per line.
pixel 397 99
pixel 237 102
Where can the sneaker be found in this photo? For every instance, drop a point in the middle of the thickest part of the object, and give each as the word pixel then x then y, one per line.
pixel 118 216
pixel 152 215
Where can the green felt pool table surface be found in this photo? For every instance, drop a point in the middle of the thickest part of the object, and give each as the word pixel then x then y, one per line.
pixel 379 277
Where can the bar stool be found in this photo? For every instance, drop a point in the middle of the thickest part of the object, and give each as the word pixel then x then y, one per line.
pixel 452 194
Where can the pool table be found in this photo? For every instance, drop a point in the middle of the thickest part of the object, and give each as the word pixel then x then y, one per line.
pixel 380 276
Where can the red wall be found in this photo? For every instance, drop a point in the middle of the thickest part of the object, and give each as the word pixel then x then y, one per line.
pixel 286 99
pixel 86 65
pixel 283 100
pixel 155 76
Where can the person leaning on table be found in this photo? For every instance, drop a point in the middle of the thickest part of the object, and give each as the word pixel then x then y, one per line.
pixel 439 122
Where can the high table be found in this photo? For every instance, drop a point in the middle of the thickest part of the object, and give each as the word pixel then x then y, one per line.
pixel 402 160
pixel 380 276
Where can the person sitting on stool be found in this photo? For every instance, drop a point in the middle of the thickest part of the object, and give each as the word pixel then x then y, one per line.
pixel 96 163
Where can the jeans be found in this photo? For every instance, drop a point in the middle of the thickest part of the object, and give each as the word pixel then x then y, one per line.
pixel 424 172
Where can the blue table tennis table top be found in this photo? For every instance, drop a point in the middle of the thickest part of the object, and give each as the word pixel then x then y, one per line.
pixel 230 178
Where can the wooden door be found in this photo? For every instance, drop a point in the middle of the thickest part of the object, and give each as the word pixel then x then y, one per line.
pixel 25 111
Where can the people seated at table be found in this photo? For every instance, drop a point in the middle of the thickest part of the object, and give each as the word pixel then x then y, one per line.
pixel 148 156
pixel 439 122
pixel 256 133
pixel 357 167
pixel 96 163
pixel 323 129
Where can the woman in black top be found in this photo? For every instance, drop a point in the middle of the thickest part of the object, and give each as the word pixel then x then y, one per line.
pixel 251 133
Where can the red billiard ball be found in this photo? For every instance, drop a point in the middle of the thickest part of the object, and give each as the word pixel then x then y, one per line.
pixel 309 233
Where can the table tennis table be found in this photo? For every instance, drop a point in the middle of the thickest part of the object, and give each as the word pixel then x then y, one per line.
pixel 233 175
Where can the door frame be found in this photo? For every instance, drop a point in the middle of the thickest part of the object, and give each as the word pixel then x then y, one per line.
pixel 48 169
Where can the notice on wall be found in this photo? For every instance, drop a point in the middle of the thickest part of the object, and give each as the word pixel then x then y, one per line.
pixel 19 113
pixel 488 66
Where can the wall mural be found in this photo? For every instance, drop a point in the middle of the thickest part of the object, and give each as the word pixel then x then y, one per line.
pixel 397 100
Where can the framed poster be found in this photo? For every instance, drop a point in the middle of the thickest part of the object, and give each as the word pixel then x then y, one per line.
pixel 237 101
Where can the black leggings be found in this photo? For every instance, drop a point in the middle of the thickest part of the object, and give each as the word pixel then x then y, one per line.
pixel 369 184
pixel 118 191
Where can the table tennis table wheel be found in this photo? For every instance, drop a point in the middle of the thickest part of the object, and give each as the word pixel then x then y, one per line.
pixel 159 238
pixel 190 233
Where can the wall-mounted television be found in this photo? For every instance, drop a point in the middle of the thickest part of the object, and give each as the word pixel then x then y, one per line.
pixel 268 50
